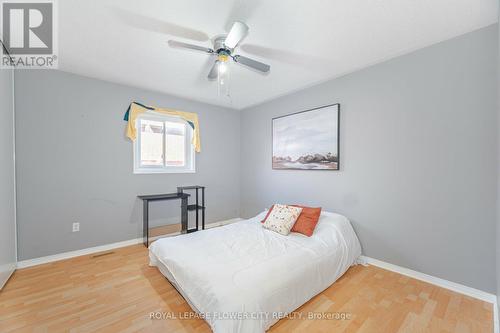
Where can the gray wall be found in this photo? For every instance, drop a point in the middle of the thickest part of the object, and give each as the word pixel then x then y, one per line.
pixel 418 158
pixel 418 145
pixel 74 163
pixel 7 190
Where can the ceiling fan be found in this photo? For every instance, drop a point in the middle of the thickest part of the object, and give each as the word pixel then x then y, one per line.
pixel 223 48
pixel 224 45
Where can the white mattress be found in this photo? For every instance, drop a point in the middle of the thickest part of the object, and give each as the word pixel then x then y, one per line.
pixel 242 278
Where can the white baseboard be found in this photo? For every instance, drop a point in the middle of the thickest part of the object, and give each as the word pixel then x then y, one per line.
pixel 224 222
pixel 102 248
pixel 456 287
pixel 459 288
pixel 77 253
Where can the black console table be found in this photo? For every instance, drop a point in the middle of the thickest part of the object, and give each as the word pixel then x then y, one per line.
pixel 196 207
pixel 157 197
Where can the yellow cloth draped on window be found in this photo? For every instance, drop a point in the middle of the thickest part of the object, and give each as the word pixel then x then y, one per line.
pixel 136 109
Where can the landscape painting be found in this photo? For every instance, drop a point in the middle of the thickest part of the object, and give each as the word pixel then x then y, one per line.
pixel 307 140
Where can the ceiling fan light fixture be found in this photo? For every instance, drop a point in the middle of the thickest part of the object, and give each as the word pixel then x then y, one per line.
pixel 223 79
pixel 222 67
pixel 223 57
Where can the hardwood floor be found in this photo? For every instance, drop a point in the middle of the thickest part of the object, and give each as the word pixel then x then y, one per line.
pixel 165 230
pixel 117 292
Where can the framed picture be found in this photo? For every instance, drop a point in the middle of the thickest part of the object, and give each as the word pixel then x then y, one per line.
pixel 307 140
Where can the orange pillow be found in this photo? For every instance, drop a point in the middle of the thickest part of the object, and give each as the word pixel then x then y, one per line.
pixel 306 223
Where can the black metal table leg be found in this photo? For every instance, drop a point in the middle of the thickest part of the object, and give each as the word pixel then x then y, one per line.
pixel 203 209
pixel 197 205
pixel 184 215
pixel 145 221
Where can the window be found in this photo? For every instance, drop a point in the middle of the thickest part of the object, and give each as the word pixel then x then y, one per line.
pixel 163 145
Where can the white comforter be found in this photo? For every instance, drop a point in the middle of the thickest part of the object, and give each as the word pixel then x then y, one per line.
pixel 243 278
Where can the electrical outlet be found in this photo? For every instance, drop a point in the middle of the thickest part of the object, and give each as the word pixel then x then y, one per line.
pixel 76 227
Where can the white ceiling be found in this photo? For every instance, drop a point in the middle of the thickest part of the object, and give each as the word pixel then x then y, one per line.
pixel 305 42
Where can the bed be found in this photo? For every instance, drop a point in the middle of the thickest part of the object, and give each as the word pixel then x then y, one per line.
pixel 242 278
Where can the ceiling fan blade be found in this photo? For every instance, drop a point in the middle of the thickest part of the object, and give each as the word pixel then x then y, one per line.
pixel 237 33
pixel 308 61
pixel 241 10
pixel 174 43
pixel 147 23
pixel 252 63
pixel 212 75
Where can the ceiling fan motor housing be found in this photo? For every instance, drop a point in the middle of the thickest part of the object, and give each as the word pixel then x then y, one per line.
pixel 222 51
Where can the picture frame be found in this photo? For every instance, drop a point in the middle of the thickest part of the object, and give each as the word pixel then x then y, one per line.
pixel 307 140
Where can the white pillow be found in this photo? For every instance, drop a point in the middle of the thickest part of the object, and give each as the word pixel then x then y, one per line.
pixel 282 218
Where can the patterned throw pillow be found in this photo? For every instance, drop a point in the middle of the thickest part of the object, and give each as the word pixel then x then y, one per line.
pixel 282 218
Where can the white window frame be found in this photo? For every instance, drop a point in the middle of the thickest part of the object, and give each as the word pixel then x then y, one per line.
pixel 190 166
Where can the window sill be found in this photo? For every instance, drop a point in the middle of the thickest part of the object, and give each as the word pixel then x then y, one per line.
pixel 155 172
